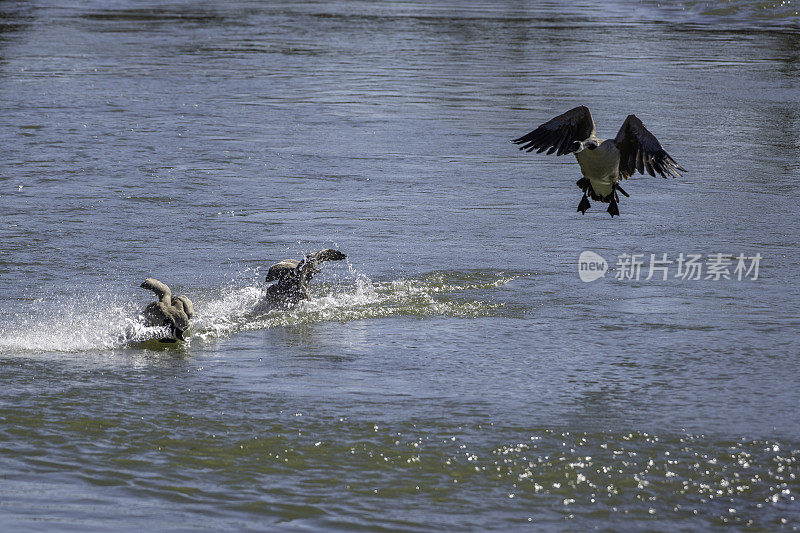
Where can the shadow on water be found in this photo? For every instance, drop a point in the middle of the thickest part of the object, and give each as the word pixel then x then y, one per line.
pixel 13 20
pixel 155 15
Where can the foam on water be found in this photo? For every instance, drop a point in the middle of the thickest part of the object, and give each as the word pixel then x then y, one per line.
pixel 109 321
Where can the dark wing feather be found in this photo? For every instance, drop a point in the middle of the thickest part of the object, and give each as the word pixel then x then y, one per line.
pixel 640 151
pixel 558 134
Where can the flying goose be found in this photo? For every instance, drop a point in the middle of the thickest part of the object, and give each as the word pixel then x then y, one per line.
pixel 171 311
pixel 293 277
pixel 603 161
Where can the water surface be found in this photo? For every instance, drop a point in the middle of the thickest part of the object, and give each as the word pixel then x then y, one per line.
pixel 455 373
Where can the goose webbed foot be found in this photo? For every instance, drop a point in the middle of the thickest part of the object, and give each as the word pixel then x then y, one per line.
pixel 584 205
pixel 612 208
pixel 620 189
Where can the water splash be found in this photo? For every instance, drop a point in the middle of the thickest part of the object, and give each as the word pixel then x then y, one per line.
pixel 80 324
pixel 108 321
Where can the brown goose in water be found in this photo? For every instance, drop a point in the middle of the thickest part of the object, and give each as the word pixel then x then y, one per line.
pixel 603 161
pixel 171 311
pixel 293 277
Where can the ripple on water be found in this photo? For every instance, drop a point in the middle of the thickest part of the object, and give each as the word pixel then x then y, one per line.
pixel 284 469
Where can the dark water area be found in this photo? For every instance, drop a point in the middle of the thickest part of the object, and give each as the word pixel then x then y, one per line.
pixel 455 372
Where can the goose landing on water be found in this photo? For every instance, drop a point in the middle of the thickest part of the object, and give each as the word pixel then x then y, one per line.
pixel 293 277
pixel 603 161
pixel 171 311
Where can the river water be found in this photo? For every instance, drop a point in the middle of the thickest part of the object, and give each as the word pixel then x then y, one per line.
pixel 455 372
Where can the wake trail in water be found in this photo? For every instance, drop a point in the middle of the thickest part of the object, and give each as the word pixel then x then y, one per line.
pixel 106 322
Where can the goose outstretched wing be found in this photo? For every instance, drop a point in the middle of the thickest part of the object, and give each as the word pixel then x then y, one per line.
pixel 326 255
pixel 640 151
pixel 558 134
pixel 160 289
pixel 311 263
pixel 308 266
